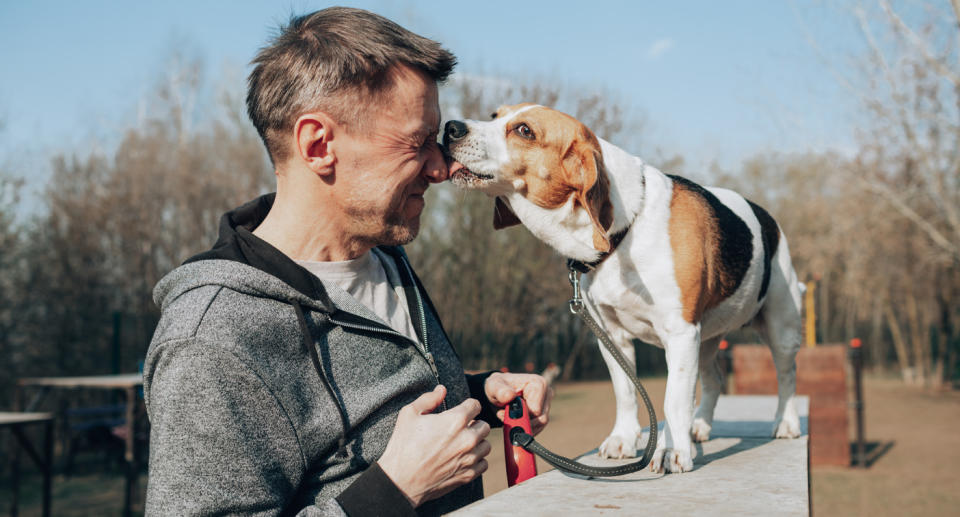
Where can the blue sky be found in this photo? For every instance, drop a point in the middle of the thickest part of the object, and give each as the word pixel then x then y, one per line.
pixel 713 80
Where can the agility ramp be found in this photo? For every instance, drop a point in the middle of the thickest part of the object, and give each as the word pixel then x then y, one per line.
pixel 740 471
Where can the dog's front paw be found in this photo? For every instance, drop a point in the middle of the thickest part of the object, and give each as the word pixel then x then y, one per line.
pixel 619 446
pixel 671 460
pixel 656 462
pixel 678 461
pixel 700 430
pixel 788 428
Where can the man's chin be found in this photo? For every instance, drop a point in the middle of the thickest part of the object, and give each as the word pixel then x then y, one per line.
pixel 399 234
pixel 415 205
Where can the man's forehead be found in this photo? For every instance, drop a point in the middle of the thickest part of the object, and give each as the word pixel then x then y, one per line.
pixel 429 123
pixel 414 119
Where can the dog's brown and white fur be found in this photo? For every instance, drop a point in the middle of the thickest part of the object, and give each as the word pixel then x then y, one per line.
pixel 694 264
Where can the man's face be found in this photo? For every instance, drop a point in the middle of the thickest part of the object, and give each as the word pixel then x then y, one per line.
pixel 383 170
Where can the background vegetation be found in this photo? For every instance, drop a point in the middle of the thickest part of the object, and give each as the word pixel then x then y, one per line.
pixel 878 228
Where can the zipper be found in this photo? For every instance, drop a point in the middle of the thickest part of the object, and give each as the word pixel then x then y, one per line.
pixel 423 348
pixel 423 327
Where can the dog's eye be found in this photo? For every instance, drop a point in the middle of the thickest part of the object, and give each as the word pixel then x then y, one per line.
pixel 524 131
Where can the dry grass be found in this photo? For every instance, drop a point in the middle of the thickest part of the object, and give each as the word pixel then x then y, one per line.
pixel 919 475
pixel 81 495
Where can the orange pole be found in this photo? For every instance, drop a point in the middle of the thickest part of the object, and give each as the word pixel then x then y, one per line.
pixel 810 321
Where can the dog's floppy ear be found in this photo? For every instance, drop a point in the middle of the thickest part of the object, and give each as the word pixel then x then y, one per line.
pixel 583 163
pixel 503 217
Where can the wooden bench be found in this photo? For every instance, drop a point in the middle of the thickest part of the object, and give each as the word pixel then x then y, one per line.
pixel 16 420
pixel 740 471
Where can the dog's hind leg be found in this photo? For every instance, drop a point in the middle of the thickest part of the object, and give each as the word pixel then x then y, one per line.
pixel 779 323
pixel 786 423
pixel 711 382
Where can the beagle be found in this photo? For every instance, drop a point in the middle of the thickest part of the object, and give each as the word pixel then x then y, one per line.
pixel 670 262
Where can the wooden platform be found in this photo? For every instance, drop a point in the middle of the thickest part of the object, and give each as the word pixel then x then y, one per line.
pixel 740 471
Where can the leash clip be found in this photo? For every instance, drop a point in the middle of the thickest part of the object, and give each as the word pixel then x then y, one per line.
pixel 576 304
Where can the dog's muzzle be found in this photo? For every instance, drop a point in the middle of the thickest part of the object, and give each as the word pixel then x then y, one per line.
pixel 454 130
pixel 453 133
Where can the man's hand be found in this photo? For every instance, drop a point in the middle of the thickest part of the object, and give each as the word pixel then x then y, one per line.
pixel 428 454
pixel 501 388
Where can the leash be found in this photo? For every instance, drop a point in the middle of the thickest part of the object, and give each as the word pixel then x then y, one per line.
pixel 522 438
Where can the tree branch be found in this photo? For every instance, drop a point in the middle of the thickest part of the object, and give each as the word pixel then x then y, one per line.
pixel 911 214
pixel 918 42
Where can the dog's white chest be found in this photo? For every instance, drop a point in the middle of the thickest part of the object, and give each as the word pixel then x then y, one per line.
pixel 629 308
pixel 636 326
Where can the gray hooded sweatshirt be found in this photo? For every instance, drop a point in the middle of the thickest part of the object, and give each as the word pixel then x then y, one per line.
pixel 270 392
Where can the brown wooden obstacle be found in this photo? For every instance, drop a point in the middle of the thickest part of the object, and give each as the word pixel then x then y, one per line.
pixel 822 375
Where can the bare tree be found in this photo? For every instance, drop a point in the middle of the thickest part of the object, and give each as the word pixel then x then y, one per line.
pixel 11 270
pixel 880 231
pixel 115 223
pixel 910 160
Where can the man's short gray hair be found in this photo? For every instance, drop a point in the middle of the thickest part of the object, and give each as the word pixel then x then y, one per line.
pixel 338 61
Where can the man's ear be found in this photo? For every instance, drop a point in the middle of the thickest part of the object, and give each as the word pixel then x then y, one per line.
pixel 583 164
pixel 503 217
pixel 313 134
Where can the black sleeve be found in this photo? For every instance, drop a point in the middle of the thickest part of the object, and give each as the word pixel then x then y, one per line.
pixel 373 493
pixel 488 412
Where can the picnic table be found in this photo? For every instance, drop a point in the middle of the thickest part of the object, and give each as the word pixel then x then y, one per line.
pixel 129 383
pixel 16 421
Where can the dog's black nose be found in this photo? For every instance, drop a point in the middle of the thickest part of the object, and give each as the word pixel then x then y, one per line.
pixel 454 130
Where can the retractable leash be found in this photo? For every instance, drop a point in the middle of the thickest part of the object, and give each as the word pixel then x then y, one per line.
pixel 524 439
pixel 521 464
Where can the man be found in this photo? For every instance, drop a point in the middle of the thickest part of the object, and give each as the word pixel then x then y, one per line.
pixel 299 366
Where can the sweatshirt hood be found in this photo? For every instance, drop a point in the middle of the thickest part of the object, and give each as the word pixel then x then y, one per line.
pixel 245 263
pixel 236 242
pixel 242 261
pixel 234 275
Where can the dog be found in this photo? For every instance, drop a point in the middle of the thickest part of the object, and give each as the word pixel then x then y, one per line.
pixel 669 262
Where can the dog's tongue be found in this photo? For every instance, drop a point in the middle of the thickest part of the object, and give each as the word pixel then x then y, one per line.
pixel 455 166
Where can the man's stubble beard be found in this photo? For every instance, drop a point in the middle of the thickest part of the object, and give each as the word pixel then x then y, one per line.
pixel 397 232
pixel 389 229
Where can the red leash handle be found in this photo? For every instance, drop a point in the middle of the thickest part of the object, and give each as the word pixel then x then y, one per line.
pixel 521 464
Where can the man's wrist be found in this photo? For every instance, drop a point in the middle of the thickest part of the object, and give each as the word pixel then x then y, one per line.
pixel 393 475
pixel 375 493
pixel 477 385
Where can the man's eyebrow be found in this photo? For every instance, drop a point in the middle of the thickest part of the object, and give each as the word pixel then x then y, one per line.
pixel 425 132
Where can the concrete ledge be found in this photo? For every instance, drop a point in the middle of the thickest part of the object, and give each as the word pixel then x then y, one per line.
pixel 740 471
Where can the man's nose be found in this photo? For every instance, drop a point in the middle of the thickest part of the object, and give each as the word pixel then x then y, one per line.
pixel 454 130
pixel 436 168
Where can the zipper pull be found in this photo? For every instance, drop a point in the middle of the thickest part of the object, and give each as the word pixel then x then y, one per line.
pixel 433 364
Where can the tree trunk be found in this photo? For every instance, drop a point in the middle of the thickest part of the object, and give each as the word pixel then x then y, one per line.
pixel 898 342
pixel 941 374
pixel 920 348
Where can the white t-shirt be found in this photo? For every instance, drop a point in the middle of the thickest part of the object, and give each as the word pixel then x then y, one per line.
pixel 374 281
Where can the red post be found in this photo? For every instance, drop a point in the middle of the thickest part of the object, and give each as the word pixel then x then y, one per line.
pixel 723 361
pixel 856 360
